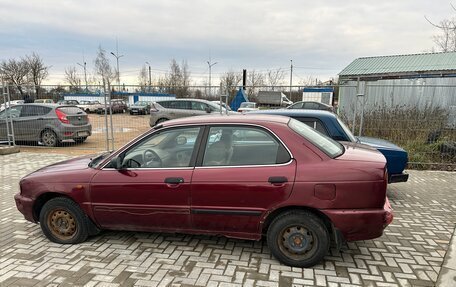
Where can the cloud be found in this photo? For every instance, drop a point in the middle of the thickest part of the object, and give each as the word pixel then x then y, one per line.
pixel 323 36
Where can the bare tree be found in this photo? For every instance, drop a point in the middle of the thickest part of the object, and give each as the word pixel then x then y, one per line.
pixel 143 78
pixel 178 79
pixel 254 80
pixel 104 69
pixel 37 71
pixel 445 40
pixel 72 78
pixel 310 81
pixel 275 77
pixel 15 72
pixel 230 80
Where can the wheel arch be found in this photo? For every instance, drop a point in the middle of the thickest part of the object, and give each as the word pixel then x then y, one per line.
pixel 270 217
pixel 41 200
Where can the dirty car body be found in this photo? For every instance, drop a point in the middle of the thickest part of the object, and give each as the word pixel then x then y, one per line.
pixel 237 176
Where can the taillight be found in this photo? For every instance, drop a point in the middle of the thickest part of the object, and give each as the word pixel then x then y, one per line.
pixel 62 116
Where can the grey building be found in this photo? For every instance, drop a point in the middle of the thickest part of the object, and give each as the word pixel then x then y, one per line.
pixel 421 81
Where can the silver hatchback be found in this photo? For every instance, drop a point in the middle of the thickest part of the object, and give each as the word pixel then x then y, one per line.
pixel 48 124
pixel 179 108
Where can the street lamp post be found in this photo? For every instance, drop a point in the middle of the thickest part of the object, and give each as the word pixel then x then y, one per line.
pixel 85 72
pixel 118 72
pixel 150 76
pixel 291 76
pixel 210 74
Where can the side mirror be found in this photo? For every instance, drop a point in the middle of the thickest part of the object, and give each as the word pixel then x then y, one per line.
pixel 116 163
pixel 208 110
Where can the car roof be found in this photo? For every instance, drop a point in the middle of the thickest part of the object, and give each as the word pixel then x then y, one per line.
pixel 297 113
pixel 231 119
pixel 185 99
pixel 314 102
pixel 46 105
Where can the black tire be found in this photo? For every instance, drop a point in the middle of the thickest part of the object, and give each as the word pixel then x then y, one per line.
pixel 80 140
pixel 49 138
pixel 160 121
pixel 63 221
pixel 298 238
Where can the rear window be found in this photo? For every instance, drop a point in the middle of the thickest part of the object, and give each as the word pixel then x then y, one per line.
pixel 324 143
pixel 71 110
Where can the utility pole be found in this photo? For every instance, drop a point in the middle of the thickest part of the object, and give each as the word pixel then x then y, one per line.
pixel 117 58
pixel 291 76
pixel 210 73
pixel 85 72
pixel 150 77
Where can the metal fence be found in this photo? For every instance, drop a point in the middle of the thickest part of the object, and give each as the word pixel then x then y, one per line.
pixel 421 119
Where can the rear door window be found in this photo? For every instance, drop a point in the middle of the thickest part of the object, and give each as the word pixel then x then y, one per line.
pixel 33 111
pixel 181 105
pixel 238 145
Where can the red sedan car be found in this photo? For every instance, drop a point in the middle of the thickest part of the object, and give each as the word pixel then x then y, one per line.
pixel 236 176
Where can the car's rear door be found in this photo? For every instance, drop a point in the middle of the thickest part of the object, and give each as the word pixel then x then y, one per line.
pixel 230 193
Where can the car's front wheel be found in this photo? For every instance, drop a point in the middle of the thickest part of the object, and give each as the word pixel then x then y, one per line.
pixel 63 221
pixel 298 238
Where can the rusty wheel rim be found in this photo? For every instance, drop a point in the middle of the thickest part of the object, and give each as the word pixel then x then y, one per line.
pixel 297 242
pixel 62 224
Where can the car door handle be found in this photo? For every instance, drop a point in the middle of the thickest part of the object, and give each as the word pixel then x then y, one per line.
pixel 277 179
pixel 174 180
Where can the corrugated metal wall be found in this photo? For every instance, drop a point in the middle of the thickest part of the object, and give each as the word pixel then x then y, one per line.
pixel 424 93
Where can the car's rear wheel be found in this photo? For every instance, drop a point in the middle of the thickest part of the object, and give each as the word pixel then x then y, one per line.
pixel 80 140
pixel 49 138
pixel 160 121
pixel 298 238
pixel 63 221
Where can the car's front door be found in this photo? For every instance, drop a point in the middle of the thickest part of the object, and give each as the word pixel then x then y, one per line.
pixel 151 191
pixel 244 171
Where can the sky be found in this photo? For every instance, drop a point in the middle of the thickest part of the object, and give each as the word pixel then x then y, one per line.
pixel 321 37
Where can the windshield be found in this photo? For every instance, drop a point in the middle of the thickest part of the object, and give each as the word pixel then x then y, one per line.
pixel 140 103
pixel 324 143
pixel 347 131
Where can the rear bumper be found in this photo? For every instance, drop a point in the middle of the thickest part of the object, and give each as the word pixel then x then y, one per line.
pixel 402 177
pixel 361 224
pixel 71 132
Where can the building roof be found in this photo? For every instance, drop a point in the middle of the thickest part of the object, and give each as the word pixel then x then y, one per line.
pixel 430 63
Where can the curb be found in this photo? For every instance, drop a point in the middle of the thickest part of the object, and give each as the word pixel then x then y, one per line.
pixel 447 275
pixel 8 150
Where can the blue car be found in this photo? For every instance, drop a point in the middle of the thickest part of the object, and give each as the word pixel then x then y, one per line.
pixel 330 125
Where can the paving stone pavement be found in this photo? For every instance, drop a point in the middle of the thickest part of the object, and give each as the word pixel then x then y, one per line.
pixel 410 253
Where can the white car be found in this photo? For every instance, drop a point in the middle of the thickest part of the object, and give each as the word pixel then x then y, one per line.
pixel 247 107
pixel 12 103
pixel 88 106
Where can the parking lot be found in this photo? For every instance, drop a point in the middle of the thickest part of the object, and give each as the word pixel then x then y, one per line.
pixel 125 128
pixel 410 253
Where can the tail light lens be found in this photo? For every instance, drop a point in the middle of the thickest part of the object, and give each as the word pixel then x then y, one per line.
pixel 62 116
